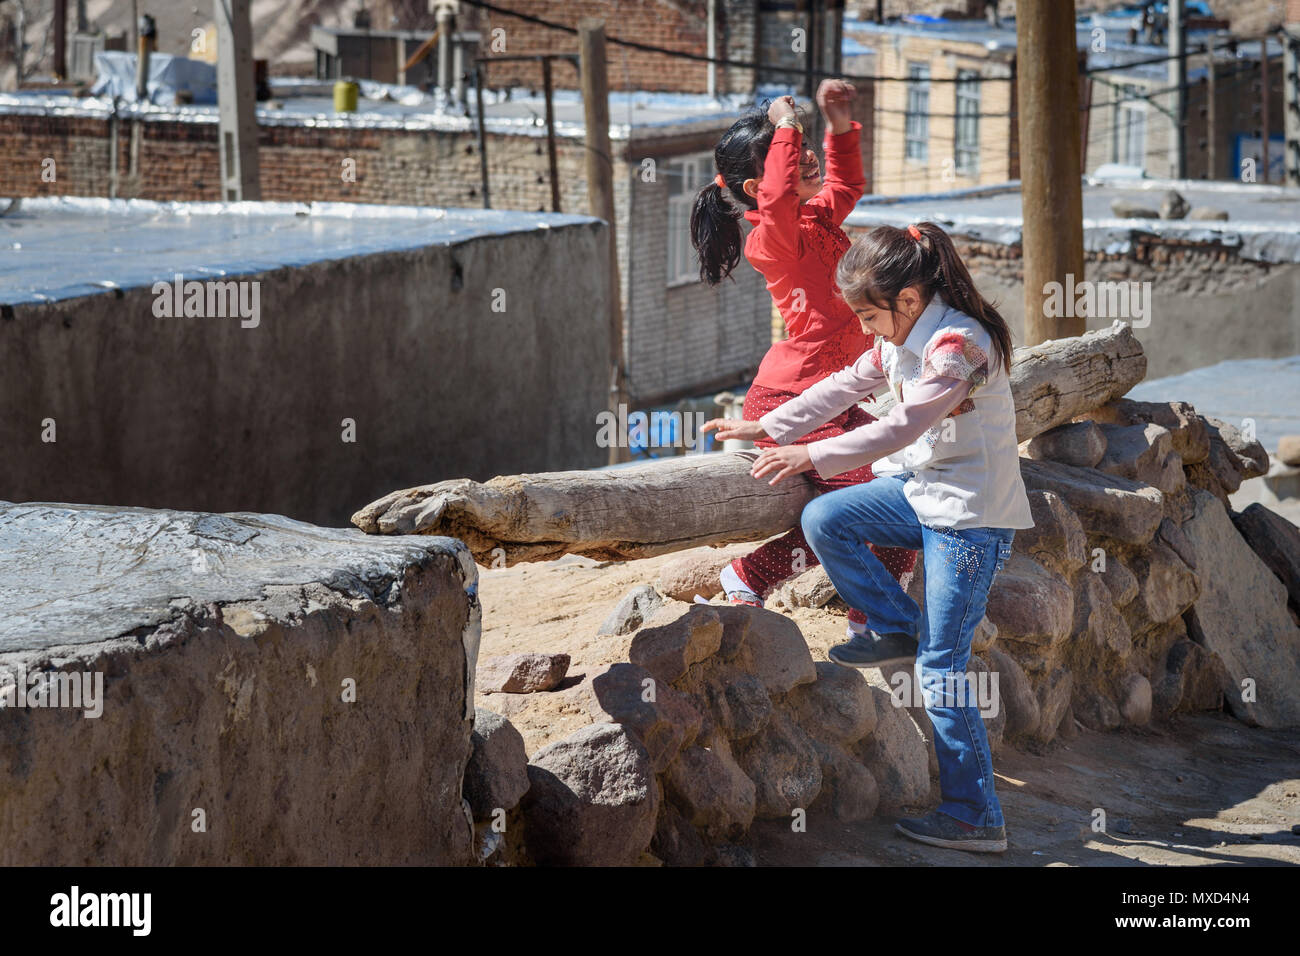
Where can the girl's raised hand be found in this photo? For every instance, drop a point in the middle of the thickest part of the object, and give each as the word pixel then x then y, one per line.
pixel 734 428
pixel 835 100
pixel 781 108
pixel 786 462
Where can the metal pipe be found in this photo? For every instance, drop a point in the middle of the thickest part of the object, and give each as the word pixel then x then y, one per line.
pixel 552 161
pixel 480 74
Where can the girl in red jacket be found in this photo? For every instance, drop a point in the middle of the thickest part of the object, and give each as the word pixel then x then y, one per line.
pixel 796 244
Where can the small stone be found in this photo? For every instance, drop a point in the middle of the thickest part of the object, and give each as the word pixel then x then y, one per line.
pixel 1076 443
pixel 666 650
pixel 1122 825
pixel 1174 206
pixel 520 673
pixel 637 607
pixel 1124 209
pixel 1288 449
pixel 695 574
pixel 836 706
pixel 1208 213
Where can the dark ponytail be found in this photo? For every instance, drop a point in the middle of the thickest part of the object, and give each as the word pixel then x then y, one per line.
pixel 887 260
pixel 715 219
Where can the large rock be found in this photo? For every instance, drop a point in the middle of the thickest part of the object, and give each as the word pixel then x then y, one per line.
pixel 848 788
pixel 1241 616
pixel 1016 696
pixel 1192 678
pixel 1080 444
pixel 497 775
pixel 1276 542
pixel 1053 702
pixel 521 673
pixel 1288 449
pixel 1029 604
pixel 265 671
pixel 737 703
pixel 695 574
pixel 896 753
pixel 1120 581
pixel 1189 432
pixel 1056 540
pixel 592 799
pixel 636 607
pixel 668 647
pixel 775 651
pixel 1166 588
pixel 1135 700
pixel 711 790
pixel 660 717
pixel 836 706
pixel 1117 508
pixel 813 588
pixel 1231 460
pixel 783 764
pixel 1097 621
pixel 1173 205
pixel 1143 453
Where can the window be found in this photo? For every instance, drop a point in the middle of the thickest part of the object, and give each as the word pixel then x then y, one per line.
pixel 916 122
pixel 687 175
pixel 966 149
pixel 1131 129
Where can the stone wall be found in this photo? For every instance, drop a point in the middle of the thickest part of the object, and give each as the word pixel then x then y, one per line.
pixel 1132 599
pixel 273 693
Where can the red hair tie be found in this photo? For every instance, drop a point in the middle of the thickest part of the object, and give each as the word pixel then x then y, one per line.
pixel 914 232
pixel 722 183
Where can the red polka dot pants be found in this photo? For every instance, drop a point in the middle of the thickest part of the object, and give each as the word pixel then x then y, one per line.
pixel 777 560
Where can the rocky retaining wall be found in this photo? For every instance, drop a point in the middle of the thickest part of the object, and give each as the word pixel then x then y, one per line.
pixel 269 692
pixel 1134 597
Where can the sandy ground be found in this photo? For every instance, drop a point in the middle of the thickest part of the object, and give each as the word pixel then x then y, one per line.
pixel 1204 789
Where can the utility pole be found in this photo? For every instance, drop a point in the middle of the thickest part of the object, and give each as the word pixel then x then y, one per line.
pixel 1211 113
pixel 1178 80
pixel 1047 87
pixel 60 40
pixel 1291 95
pixel 1265 124
pixel 600 196
pixel 236 102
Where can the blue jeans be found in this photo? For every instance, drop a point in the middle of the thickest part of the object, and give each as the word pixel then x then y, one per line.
pixel 959 570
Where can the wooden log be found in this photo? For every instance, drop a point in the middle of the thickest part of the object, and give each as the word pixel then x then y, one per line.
pixel 639 511
pixel 636 511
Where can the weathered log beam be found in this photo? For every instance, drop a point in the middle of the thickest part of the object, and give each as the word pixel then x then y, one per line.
pixel 668 505
pixel 637 511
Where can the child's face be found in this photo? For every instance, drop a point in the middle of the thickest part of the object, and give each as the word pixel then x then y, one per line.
pixel 892 326
pixel 810 178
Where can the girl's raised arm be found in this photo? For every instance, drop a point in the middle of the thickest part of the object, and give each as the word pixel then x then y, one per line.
pixel 776 236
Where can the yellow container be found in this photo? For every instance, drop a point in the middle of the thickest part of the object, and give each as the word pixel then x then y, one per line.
pixel 345 96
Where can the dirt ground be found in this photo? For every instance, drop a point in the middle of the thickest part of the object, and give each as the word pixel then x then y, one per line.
pixel 1204 789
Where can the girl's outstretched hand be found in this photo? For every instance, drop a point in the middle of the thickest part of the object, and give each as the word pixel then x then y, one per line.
pixel 734 428
pixel 785 462
pixel 835 100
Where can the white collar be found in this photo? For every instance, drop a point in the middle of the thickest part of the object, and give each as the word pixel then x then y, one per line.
pixel 926 325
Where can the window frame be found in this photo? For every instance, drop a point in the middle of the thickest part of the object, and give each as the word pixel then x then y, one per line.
pixel 916 115
pixel 687 174
pixel 966 115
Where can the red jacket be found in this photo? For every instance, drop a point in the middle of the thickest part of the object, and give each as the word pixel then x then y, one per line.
pixel 796 248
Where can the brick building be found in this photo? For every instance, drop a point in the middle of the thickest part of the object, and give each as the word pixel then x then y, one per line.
pixel 950 120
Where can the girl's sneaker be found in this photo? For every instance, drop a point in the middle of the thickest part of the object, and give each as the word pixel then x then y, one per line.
pixel 875 650
pixel 939 829
pixel 736 588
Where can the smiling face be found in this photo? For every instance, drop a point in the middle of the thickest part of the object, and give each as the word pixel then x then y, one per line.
pixel 810 175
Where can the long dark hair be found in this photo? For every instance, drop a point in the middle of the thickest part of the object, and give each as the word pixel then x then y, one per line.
pixel 887 260
pixel 715 221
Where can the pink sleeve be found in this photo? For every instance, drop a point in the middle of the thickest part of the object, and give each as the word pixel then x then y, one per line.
pixel 823 401
pixel 926 403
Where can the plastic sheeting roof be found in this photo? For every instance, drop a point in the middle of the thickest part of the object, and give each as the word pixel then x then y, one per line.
pixel 58 248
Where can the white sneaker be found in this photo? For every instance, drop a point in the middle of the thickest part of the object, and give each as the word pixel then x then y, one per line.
pixel 736 590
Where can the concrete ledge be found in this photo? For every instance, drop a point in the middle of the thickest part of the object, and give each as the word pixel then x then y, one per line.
pixel 272 692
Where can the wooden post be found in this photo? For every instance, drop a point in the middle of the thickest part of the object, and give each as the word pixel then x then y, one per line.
pixel 1178 80
pixel 1047 88
pixel 1291 97
pixel 236 102
pixel 480 77
pixel 60 40
pixel 1264 118
pixel 600 195
pixel 1211 114
pixel 548 88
